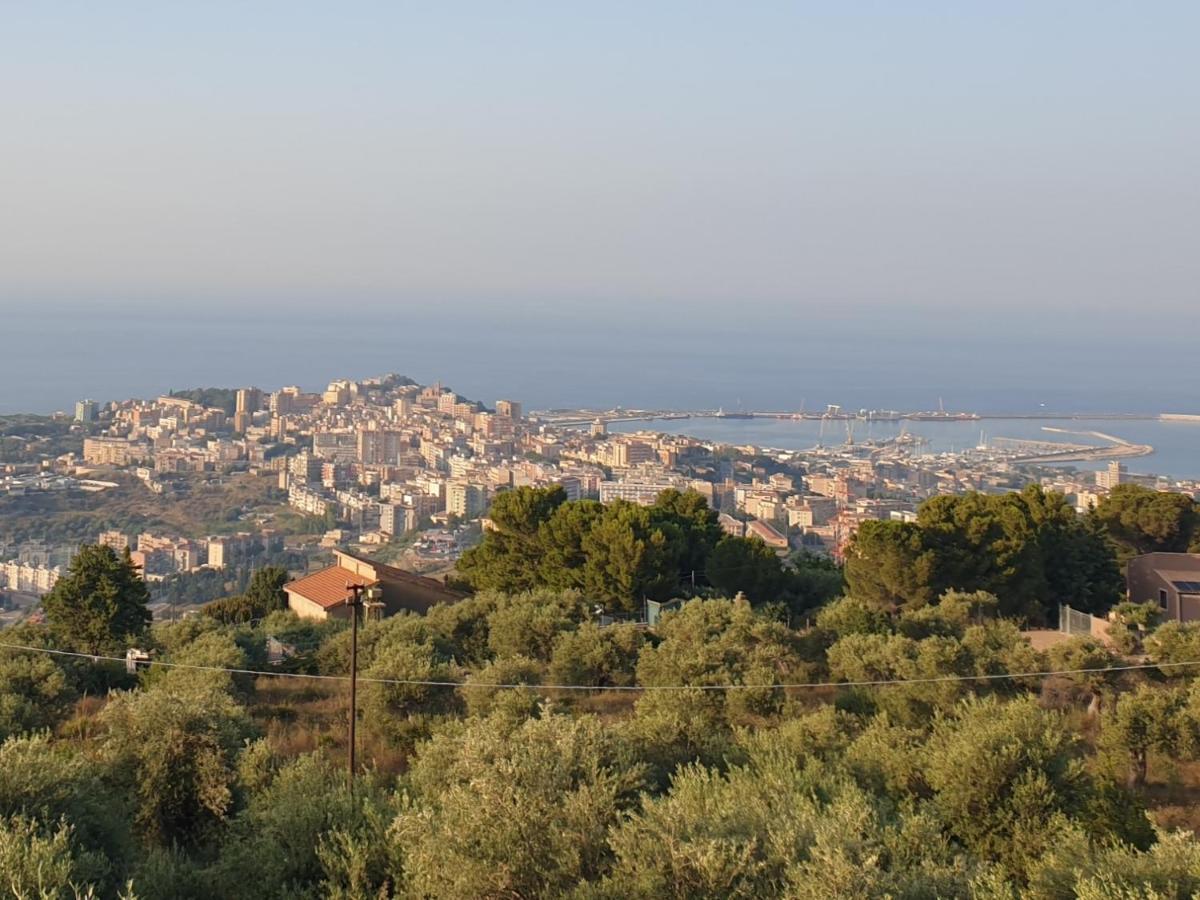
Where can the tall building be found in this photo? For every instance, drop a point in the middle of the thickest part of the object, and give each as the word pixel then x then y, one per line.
pixel 85 411
pixel 467 501
pixel 397 518
pixel 378 447
pixel 509 409
pixel 1115 474
pixel 249 400
pixel 623 454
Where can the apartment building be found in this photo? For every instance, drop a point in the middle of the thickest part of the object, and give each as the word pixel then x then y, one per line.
pixel 465 500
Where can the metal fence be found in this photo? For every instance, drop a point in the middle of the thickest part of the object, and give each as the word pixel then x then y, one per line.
pixel 1072 621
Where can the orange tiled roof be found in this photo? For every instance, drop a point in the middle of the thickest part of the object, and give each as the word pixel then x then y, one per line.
pixel 326 588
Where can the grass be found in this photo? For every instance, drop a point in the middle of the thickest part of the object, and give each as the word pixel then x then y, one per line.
pixel 299 716
pixel 1173 792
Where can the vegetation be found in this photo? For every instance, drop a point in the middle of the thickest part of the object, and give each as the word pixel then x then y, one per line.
pixel 26 438
pixel 888 744
pixel 623 554
pixel 100 605
pixel 1030 549
pixel 263 596
pixel 218 398
pixel 1140 520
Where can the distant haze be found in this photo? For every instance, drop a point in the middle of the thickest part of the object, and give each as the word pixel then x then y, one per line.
pixel 702 159
pixel 675 204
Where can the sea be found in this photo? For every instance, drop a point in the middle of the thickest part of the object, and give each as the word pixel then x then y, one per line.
pixel 736 357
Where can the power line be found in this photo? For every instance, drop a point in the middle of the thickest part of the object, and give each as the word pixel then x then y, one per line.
pixel 812 685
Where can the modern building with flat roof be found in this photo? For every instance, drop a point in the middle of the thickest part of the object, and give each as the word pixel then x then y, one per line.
pixel 1172 580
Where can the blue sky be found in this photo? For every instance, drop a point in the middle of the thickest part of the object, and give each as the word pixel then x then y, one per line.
pixel 766 158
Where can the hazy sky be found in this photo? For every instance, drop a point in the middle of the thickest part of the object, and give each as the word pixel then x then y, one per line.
pixel 557 155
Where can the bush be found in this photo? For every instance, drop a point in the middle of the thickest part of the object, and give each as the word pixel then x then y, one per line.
pixel 1172 644
pixel 596 655
pixel 520 702
pixel 176 749
pixel 34 692
pixel 507 810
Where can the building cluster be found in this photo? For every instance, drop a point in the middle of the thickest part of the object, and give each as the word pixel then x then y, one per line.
pixel 158 556
pixel 33 567
pixel 384 457
pixel 816 499
pixel 172 435
pixel 387 457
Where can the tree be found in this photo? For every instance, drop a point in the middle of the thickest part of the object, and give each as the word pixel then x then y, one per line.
pixel 1077 556
pixel 701 529
pixel 747 565
pixel 1152 719
pixel 877 657
pixel 34 692
pixel 264 595
pixel 597 655
pixel 53 782
pixel 509 557
pixel 528 624
pixel 620 554
pixel 1173 643
pixel 507 809
pixel 777 827
pixel 266 588
pixel 1082 652
pixel 101 603
pixel 986 543
pixel 37 861
pixel 714 642
pixel 1080 867
pixel 1029 549
pixel 403 711
pixel 813 580
pixel 177 750
pixel 1003 776
pixel 850 615
pixel 888 565
pixel 273 846
pixel 1140 520
pixel 563 559
pixel 483 696
pixel 631 557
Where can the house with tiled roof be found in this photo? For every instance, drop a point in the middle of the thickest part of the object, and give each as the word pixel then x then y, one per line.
pixel 322 595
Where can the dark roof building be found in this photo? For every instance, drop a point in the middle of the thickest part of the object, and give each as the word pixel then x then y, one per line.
pixel 322 595
pixel 1172 580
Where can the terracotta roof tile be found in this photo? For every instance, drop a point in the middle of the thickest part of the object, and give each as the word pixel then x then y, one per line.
pixel 326 588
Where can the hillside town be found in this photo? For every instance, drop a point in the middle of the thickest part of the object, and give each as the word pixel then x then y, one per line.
pixel 388 463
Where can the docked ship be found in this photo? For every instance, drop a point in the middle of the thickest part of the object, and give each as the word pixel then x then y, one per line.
pixel 942 416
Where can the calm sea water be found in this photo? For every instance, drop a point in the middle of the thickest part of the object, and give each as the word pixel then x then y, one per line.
pixel 649 357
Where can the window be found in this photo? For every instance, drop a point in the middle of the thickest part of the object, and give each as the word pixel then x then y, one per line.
pixel 1162 597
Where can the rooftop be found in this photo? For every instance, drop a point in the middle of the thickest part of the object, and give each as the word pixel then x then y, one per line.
pixel 326 588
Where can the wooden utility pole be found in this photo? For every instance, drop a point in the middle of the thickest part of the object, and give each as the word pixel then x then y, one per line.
pixel 357 597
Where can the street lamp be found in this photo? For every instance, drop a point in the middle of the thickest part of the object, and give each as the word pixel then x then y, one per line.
pixel 366 597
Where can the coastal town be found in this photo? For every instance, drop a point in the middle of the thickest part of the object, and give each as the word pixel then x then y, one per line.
pixel 407 472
